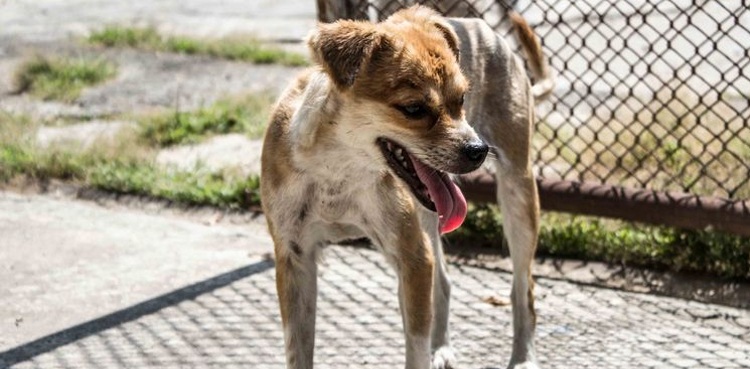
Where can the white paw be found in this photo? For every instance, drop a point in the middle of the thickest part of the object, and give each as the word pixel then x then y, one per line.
pixel 444 358
pixel 525 365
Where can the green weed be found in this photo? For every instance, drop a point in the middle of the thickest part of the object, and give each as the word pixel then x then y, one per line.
pixel 248 115
pixel 113 36
pixel 60 78
pixel 188 187
pixel 589 238
pixel 119 166
pixel 236 48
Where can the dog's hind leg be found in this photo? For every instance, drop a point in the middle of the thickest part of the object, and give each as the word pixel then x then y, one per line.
pixel 296 284
pixel 518 198
pixel 520 207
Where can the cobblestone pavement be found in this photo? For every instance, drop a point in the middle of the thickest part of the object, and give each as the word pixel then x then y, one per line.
pixel 231 321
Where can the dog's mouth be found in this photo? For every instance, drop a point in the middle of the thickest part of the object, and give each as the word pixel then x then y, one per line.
pixel 433 188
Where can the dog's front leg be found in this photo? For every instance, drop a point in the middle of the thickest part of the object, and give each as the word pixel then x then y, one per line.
pixel 443 355
pixel 296 284
pixel 415 267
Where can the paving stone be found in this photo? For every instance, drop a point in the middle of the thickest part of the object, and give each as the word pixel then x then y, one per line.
pixel 81 134
pixel 359 325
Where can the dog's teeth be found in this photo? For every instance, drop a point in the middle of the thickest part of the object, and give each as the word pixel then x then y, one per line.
pixel 398 153
pixel 389 146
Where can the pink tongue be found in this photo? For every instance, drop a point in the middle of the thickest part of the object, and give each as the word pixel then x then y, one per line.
pixel 448 199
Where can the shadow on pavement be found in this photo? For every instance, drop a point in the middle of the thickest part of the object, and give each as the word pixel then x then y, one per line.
pixel 83 330
pixel 232 321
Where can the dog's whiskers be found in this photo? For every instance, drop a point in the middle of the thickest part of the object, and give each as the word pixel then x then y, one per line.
pixel 494 148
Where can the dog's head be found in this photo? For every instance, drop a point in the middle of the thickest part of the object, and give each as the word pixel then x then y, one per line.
pixel 401 94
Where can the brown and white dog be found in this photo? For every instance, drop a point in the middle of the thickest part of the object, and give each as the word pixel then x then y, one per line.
pixel 361 146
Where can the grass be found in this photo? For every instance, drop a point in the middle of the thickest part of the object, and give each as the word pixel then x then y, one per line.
pixel 119 166
pixel 236 48
pixel 589 238
pixel 195 188
pixel 126 165
pixel 247 114
pixel 60 78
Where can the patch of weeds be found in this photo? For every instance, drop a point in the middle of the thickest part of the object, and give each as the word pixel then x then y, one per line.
pixel 196 188
pixel 118 166
pixel 184 45
pixel 616 242
pixel 42 166
pixel 482 227
pixel 60 78
pixel 252 51
pixel 235 48
pixel 113 36
pixel 248 114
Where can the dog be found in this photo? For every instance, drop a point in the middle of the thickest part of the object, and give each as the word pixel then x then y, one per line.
pixel 362 145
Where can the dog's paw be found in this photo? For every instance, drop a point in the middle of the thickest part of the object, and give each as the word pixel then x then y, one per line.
pixel 444 358
pixel 524 365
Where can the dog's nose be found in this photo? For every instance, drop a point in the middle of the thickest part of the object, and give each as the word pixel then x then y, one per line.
pixel 476 151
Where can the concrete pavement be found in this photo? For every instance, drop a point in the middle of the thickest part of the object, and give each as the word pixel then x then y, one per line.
pixel 65 262
pixel 86 286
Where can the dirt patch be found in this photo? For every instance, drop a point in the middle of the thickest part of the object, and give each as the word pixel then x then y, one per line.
pixel 147 81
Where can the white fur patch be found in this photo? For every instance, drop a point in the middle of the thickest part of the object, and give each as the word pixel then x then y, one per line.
pixel 312 108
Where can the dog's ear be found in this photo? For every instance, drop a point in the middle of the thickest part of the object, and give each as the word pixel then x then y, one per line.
pixel 450 36
pixel 343 48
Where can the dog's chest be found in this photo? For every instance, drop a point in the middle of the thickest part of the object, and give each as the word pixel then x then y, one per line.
pixel 333 201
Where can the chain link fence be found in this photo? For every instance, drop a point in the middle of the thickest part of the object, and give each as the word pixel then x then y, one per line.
pixel 650 94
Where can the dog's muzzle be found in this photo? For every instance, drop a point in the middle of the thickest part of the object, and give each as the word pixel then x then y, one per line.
pixel 432 187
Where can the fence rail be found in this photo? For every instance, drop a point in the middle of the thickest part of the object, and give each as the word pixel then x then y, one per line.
pixel 652 95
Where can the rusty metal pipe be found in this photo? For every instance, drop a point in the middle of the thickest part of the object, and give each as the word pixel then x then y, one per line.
pixel 674 209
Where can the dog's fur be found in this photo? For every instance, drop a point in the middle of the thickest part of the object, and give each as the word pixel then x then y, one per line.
pixel 325 176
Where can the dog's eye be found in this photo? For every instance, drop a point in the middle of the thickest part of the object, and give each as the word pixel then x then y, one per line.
pixel 414 111
pixel 461 102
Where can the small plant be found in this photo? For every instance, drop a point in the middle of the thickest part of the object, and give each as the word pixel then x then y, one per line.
pixel 119 166
pixel 588 238
pixel 60 78
pixel 253 51
pixel 113 36
pixel 236 48
pixel 240 115
pixel 188 187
